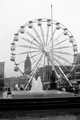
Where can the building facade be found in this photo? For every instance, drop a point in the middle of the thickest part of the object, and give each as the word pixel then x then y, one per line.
pixel 2 67
pixel 27 66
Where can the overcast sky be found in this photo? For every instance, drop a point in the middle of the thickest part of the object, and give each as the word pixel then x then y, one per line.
pixel 14 13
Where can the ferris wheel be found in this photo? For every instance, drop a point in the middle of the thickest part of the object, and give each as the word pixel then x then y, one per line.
pixel 34 39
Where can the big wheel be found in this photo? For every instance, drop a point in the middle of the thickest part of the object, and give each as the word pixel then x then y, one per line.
pixel 34 41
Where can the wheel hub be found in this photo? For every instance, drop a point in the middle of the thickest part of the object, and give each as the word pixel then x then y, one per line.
pixel 46 50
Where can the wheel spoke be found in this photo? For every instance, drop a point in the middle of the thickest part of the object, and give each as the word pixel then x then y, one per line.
pixel 27 46
pixel 60 64
pixel 38 36
pixel 65 53
pixel 62 72
pixel 63 59
pixel 52 36
pixel 38 61
pixel 32 56
pixel 21 62
pixel 42 33
pixel 58 37
pixel 47 35
pixel 28 41
pixel 62 47
pixel 26 52
pixel 34 39
pixel 61 42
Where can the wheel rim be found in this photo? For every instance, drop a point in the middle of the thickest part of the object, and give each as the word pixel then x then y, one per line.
pixel 33 39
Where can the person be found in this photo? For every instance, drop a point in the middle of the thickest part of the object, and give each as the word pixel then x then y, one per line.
pixel 9 91
pixel 64 89
pixel 21 87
